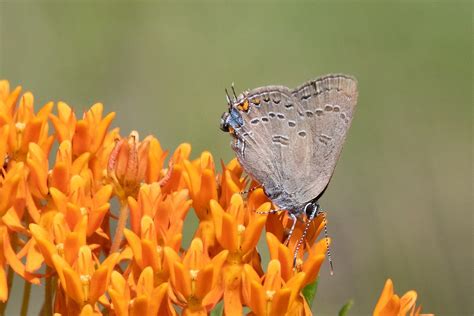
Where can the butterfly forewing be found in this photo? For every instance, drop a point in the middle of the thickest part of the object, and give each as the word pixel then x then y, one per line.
pixel 258 155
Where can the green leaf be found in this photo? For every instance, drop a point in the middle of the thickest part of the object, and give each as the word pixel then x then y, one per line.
pixel 345 309
pixel 309 292
pixel 218 309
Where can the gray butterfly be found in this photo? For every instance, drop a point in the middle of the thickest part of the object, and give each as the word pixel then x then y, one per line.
pixel 290 140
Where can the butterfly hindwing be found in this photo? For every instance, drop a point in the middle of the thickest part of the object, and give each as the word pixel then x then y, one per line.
pixel 328 104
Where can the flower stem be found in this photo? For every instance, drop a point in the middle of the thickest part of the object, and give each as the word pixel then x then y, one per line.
pixel 48 294
pixel 122 221
pixel 26 298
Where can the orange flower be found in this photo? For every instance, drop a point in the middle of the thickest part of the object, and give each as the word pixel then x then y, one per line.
pixel 66 167
pixel 82 201
pixel 8 256
pixel 8 100
pixel 237 230
pixel 88 138
pixel 86 281
pixel 127 165
pixel 316 256
pixel 271 295
pixel 21 125
pixel 37 162
pixel 195 279
pixel 13 189
pixel 231 181
pixel 146 252
pixel 167 212
pixel 83 278
pixel 150 299
pixel 14 194
pixel 391 304
pixel 176 181
pixel 90 132
pixel 155 161
pixel 279 225
pixel 200 179
pixel 64 123
pixel 58 238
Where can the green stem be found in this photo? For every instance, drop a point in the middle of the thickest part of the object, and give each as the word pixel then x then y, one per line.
pixel 122 221
pixel 48 294
pixel 26 298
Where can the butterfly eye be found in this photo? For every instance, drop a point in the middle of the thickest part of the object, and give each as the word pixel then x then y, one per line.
pixel 224 126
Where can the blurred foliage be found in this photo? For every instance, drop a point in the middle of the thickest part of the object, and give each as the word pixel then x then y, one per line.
pixel 345 309
pixel 309 292
pixel 400 203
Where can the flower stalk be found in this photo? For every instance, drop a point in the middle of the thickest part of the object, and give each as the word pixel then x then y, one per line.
pixel 26 298
pixel 47 308
pixel 121 223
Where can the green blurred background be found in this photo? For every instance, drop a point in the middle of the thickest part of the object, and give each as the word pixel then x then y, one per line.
pixel 400 202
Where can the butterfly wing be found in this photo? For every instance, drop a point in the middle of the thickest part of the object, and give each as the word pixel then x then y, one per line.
pixel 290 140
pixel 327 106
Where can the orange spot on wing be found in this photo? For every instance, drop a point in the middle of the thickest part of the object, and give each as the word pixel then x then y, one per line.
pixel 256 101
pixel 244 106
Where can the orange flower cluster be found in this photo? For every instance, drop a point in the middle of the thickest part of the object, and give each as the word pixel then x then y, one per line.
pixel 58 226
pixel 390 304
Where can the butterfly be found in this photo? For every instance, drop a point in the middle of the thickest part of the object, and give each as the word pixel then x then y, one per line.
pixel 289 140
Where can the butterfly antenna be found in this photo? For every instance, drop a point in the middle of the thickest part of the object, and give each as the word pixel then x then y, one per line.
pixel 227 96
pixel 229 100
pixel 233 91
pixel 328 250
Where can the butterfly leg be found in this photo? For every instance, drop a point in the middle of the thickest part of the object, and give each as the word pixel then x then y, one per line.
pixel 313 214
pixel 244 138
pixel 251 189
pixel 292 229
pixel 241 144
pixel 243 149
pixel 269 212
pixel 327 241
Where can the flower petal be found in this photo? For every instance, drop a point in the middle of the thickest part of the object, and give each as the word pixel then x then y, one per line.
pixel 73 285
pixel 385 297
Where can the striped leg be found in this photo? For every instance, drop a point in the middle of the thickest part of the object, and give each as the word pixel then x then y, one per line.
pixel 269 212
pixel 327 242
pixel 292 229
pixel 314 213
pixel 251 189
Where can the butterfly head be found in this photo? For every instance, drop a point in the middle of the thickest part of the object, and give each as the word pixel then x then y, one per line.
pixel 232 119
